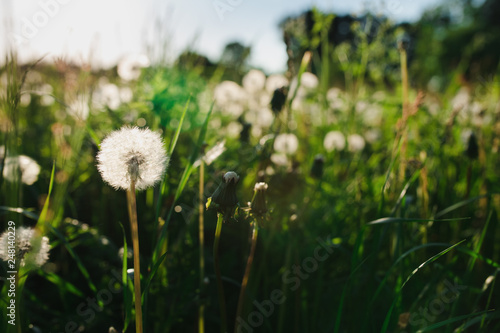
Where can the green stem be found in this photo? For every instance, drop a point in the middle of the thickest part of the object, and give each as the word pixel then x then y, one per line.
pixel 220 287
pixel 132 211
pixel 248 268
pixel 201 319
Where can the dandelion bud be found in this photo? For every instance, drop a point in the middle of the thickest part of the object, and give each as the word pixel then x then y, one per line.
pixel 31 251
pixel 279 99
pixel 259 206
pixel 132 154
pixel 317 167
pixel 472 150
pixel 224 197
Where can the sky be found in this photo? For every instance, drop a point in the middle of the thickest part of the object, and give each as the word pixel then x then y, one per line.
pixel 104 31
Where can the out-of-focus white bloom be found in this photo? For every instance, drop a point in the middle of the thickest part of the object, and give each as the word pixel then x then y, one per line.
pixel 126 94
pixel 334 140
pixel 355 143
pixel 121 252
pixel 233 129
pixel 372 116
pixel 332 94
pixel 132 154
pixel 230 97
pixel 309 81
pixel 31 250
pixel 130 67
pixel 361 106
pixel 275 81
pixel 279 159
pixel 335 98
pixel 461 99
pixel 260 186
pixel 25 99
pixel 80 107
pixel 45 92
pixel 286 143
pixel 254 81
pixel 106 94
pixel 263 117
pixel 27 166
pixel 373 135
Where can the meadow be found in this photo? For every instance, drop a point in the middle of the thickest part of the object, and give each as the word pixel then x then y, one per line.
pixel 379 211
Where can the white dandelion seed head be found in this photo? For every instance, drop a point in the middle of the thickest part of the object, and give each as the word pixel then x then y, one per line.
pixel 27 166
pixel 32 251
pixel 130 67
pixel 107 94
pixel 334 140
pixel 254 81
pixel 309 81
pixel 260 186
pixel 130 154
pixel 286 143
pixel 231 176
pixel 121 252
pixel 79 108
pixel 461 99
pixel 230 98
pixel 373 135
pixel 355 143
pixel 279 160
pixel 275 81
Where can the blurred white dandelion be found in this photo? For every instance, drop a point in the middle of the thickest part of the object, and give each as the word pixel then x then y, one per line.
pixel 79 108
pixel 132 154
pixel 31 250
pixel 334 140
pixel 275 81
pixel 230 98
pixel 286 143
pixel 254 81
pixel 129 68
pixel 26 166
pixel 355 143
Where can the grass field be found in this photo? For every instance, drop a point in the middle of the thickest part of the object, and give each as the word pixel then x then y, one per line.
pixel 380 212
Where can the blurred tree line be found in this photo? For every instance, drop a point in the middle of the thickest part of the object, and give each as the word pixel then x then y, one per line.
pixel 458 36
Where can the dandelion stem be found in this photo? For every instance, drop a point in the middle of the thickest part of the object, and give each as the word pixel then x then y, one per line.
pixel 248 268
pixel 201 208
pixel 132 211
pixel 220 288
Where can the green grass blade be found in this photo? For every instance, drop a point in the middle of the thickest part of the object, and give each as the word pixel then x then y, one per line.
pixel 75 257
pixel 173 143
pixel 185 177
pixel 152 275
pixel 387 220
pixel 61 283
pixel 461 204
pixel 425 263
pixel 477 316
pixel 43 215
pixel 430 260
pixel 127 296
pixel 480 242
